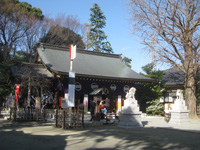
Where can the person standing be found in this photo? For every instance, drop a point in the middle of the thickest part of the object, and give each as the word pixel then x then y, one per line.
pixel 92 109
pixel 107 103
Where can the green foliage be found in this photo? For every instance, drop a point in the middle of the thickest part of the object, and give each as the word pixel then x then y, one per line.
pixel 153 91
pixel 21 56
pixel 26 7
pixel 97 38
pixel 155 108
pixel 127 61
pixel 5 84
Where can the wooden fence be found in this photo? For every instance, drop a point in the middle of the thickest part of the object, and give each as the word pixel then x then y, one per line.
pixel 62 117
pixel 66 120
pixel 32 114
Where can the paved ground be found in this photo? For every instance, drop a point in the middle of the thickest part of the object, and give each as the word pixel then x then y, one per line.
pixel 156 135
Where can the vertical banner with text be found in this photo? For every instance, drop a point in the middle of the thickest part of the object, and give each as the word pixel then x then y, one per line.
pixel 119 102
pixel 71 87
pixel 85 102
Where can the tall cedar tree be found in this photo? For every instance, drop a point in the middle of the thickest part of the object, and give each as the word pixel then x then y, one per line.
pixel 170 28
pixel 97 38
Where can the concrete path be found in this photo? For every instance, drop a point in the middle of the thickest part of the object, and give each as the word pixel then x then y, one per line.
pixel 156 135
pixel 159 122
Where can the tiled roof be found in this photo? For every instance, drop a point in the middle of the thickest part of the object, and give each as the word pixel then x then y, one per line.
pixel 87 63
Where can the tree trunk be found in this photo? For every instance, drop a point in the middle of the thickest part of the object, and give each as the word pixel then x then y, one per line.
pixel 190 94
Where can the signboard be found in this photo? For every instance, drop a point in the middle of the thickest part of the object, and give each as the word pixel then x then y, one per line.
pixel 85 102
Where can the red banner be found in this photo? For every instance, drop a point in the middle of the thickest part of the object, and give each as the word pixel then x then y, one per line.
pixel 16 94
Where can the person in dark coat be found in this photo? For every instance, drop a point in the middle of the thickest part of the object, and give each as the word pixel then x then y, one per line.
pixel 92 109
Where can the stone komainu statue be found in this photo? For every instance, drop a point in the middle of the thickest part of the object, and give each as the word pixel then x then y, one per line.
pixel 131 93
pixel 179 94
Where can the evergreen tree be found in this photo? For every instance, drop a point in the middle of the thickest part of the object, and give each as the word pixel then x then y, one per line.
pixel 97 38
pixel 153 91
pixel 127 61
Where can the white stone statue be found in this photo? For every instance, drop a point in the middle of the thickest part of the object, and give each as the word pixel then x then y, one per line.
pixel 131 93
pixel 179 103
pixel 179 94
pixel 130 103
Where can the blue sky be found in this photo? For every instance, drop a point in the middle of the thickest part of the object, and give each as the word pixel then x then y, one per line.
pixel 117 28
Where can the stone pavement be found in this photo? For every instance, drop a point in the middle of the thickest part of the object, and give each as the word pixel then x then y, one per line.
pixel 156 135
pixel 156 122
pixel 159 122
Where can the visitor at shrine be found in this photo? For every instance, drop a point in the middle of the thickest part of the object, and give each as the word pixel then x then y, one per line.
pixel 107 103
pixel 92 109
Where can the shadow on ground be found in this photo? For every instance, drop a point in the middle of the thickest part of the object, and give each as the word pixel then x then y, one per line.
pixel 40 136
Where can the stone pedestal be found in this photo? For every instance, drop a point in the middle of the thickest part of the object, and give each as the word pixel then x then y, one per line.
pixel 179 113
pixel 130 120
pixel 179 117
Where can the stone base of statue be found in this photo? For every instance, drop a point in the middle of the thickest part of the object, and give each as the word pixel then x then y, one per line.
pixel 179 113
pixel 179 116
pixel 130 119
pixel 130 116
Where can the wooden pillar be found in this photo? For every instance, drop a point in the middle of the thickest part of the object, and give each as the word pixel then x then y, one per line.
pixel 83 116
pixel 56 117
pixel 63 119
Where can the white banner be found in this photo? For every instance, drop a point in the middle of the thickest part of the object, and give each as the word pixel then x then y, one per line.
pixel 85 103
pixel 71 95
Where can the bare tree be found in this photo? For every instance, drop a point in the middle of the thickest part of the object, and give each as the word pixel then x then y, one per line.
pixel 16 19
pixel 71 22
pixel 170 28
pixel 65 30
pixel 38 30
